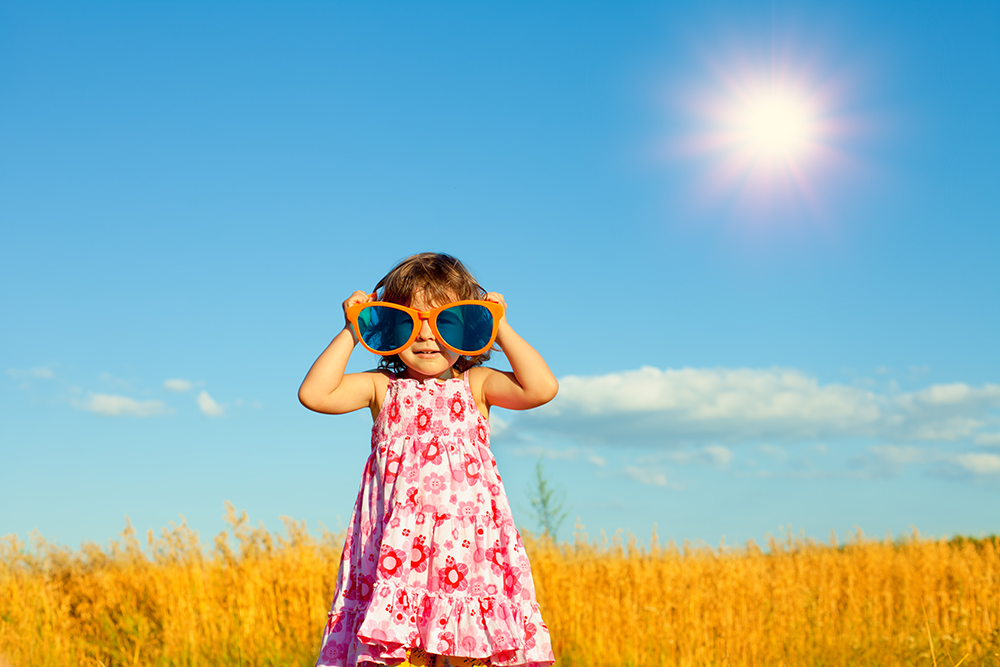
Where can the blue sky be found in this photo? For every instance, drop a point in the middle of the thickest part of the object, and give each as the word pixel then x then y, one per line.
pixel 747 337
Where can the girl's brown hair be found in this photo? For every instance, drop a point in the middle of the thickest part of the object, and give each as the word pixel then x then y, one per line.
pixel 440 278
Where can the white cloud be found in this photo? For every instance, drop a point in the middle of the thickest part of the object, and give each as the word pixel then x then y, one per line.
pixel 497 426
pixel 897 455
pixel 979 464
pixel 988 439
pixel 208 405
pixel 650 476
pixel 646 476
pixel 177 385
pixel 720 455
pixel 716 455
pixel 887 460
pixel 561 454
pixel 121 406
pixel 883 460
pixel 39 373
pixel 947 394
pixel 118 382
pixel 689 406
pixel 567 454
pixel 598 461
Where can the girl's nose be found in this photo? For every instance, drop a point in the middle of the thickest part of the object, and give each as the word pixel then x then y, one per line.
pixel 425 332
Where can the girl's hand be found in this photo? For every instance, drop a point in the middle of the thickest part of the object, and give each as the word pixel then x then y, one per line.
pixel 326 388
pixel 357 297
pixel 496 297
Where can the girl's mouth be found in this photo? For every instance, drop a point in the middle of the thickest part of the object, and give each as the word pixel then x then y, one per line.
pixel 427 353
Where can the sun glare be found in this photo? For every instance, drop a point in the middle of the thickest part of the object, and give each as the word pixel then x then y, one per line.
pixel 764 138
pixel 776 124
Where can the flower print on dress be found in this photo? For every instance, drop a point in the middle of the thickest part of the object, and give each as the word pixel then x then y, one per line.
pixel 446 644
pixel 495 556
pixel 467 508
pixel 393 411
pixel 471 468
pixel 456 407
pixel 435 483
pixel 390 562
pixel 402 600
pixel 431 452
pixel 419 554
pixel 333 621
pixel 393 464
pixel 501 639
pixel 529 635
pixel 332 650
pixel 383 632
pixel 412 471
pixel 422 421
pixel 486 606
pixel 401 617
pixel 477 587
pixel 360 588
pixel 452 577
pixel 468 644
pixel 511 581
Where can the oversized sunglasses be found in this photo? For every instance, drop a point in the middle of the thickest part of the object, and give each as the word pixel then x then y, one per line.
pixel 465 327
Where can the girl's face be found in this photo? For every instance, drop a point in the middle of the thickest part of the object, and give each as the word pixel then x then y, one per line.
pixel 427 358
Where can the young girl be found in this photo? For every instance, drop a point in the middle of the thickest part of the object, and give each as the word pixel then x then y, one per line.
pixel 433 571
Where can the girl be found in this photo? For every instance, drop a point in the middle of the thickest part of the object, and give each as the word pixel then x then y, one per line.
pixel 433 571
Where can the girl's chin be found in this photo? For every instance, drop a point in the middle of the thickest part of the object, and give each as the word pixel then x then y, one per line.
pixel 426 372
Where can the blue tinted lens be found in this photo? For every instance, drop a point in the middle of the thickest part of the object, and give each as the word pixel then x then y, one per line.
pixel 383 328
pixel 466 328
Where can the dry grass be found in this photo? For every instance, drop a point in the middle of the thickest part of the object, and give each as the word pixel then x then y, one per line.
pixel 263 601
pixel 799 603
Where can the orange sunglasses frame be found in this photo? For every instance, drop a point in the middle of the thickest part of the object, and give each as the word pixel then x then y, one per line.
pixel 496 310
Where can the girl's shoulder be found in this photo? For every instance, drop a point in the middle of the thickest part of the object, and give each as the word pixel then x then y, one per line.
pixel 380 376
pixel 478 375
pixel 380 379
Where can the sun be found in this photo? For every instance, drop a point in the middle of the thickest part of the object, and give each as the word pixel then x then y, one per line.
pixel 763 138
pixel 764 134
pixel 776 124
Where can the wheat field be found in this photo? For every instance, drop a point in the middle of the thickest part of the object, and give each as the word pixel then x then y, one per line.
pixel 260 598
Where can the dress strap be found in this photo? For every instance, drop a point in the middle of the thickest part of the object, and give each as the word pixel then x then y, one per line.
pixel 466 385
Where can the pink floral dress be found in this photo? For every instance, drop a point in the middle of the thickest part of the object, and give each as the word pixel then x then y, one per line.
pixel 432 559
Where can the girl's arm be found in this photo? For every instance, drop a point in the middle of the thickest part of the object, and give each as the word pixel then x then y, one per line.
pixel 326 388
pixel 530 384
